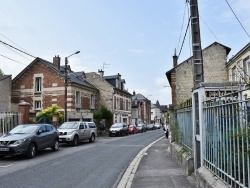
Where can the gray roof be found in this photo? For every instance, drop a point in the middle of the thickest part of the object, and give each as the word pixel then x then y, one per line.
pixel 72 76
pixel 4 76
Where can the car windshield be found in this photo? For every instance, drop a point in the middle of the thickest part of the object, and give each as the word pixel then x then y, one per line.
pixel 139 125
pixel 116 125
pixel 24 129
pixel 69 125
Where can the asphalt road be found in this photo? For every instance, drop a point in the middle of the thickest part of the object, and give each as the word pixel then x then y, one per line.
pixel 99 164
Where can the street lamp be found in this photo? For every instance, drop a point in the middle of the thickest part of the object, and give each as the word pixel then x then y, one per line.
pixel 66 84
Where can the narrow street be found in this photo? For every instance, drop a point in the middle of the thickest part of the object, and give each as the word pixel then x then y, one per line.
pixel 100 164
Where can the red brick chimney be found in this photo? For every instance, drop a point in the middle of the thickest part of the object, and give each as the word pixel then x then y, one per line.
pixel 56 62
pixel 175 59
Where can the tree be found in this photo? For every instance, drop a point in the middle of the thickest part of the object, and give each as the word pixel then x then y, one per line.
pixel 1 73
pixel 48 114
pixel 103 113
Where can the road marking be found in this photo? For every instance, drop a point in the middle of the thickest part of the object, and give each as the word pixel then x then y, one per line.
pixel 6 166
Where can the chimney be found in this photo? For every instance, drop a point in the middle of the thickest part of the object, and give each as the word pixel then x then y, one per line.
pixel 56 62
pixel 119 80
pixel 101 72
pixel 133 93
pixel 175 58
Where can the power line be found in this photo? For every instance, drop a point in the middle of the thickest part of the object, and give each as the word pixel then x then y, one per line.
pixel 184 36
pixel 237 19
pixel 12 59
pixel 209 28
pixel 17 49
pixel 14 43
pixel 16 52
pixel 181 27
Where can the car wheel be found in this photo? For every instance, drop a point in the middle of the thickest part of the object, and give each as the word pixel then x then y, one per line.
pixel 75 141
pixel 31 151
pixel 56 146
pixel 92 138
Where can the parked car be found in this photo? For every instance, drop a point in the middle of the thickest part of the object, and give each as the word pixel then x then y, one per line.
pixel 75 132
pixel 141 127
pixel 27 139
pixel 151 126
pixel 132 129
pixel 118 129
pixel 157 126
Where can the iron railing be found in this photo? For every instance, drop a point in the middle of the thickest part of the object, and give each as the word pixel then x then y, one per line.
pixel 185 128
pixel 226 138
pixel 8 121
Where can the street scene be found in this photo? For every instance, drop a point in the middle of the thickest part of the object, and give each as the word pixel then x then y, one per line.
pixel 125 94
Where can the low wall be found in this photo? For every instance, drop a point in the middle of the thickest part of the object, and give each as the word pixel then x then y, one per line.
pixel 184 158
pixel 205 179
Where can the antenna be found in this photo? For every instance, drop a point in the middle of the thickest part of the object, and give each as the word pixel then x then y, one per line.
pixel 104 65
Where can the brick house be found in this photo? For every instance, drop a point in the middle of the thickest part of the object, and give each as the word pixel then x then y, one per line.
pixel 141 109
pixel 5 93
pixel 180 77
pixel 42 84
pixel 112 95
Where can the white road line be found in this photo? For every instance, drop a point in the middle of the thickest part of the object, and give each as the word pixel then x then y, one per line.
pixel 6 166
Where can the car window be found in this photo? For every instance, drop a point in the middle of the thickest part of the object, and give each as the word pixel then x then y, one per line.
pixel 49 128
pixel 69 125
pixel 85 126
pixel 42 128
pixel 81 126
pixel 23 129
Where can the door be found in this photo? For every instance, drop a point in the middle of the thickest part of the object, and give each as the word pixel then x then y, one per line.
pixel 82 131
pixel 42 141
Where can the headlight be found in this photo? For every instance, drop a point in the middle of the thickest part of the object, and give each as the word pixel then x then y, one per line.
pixel 18 142
pixel 69 133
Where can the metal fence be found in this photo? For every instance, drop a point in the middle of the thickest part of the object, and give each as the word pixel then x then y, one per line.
pixel 9 121
pixel 185 128
pixel 226 138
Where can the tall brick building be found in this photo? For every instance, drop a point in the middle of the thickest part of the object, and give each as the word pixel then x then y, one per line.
pixel 180 77
pixel 42 84
pixel 5 93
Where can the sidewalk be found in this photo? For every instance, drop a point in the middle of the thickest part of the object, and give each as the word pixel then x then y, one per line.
pixel 155 168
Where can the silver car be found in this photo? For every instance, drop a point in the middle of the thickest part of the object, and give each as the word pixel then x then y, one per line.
pixel 75 132
pixel 28 139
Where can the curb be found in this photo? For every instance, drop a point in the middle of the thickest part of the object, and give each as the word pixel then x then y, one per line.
pixel 128 176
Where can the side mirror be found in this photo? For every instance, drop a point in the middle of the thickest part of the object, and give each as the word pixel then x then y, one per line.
pixel 39 132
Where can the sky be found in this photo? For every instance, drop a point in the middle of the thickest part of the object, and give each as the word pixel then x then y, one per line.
pixel 135 38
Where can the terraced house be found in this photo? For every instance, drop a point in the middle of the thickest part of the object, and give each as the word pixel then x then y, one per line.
pixel 42 84
pixel 113 95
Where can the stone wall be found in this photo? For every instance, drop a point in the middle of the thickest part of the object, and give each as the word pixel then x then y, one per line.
pixel 214 65
pixel 5 94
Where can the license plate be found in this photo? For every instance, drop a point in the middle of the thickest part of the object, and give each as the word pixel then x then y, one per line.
pixel 4 149
pixel 113 132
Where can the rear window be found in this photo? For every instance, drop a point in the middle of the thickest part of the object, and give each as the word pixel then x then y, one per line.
pixel 91 125
pixel 49 127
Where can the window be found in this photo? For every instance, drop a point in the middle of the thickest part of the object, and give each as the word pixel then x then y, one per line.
pixel 49 128
pixel 246 67
pixel 38 84
pixel 38 105
pixel 78 99
pixel 234 75
pixel 92 100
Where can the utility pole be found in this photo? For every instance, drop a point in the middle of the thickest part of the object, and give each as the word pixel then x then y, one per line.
pixel 198 74
pixel 198 77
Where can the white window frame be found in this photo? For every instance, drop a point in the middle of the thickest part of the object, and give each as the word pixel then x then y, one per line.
pixel 38 84
pixel 92 100
pixel 78 99
pixel 37 104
